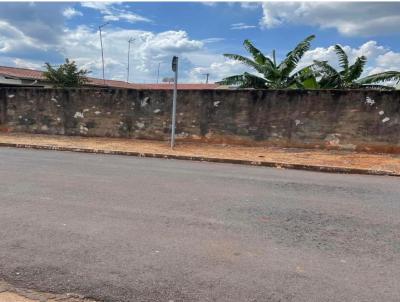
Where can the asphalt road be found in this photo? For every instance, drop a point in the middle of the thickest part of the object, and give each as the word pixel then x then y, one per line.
pixel 136 229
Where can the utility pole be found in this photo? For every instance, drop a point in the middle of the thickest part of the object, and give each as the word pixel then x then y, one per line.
pixel 102 53
pixel 158 71
pixel 131 40
pixel 207 75
pixel 175 70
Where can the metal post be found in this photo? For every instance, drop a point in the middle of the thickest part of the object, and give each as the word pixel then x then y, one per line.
pixel 207 75
pixel 102 53
pixel 158 71
pixel 129 50
pixel 175 69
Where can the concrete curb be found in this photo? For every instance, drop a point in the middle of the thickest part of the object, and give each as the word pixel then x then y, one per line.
pixel 330 169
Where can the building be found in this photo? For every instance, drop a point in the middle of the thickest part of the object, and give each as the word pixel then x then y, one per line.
pixel 22 77
pixel 11 76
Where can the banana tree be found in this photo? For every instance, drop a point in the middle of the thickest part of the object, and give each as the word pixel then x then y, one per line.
pixel 349 75
pixel 271 74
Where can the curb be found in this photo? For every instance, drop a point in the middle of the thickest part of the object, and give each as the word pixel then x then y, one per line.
pixel 316 168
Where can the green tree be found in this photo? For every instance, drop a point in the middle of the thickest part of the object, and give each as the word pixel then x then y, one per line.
pixel 273 75
pixel 349 75
pixel 66 75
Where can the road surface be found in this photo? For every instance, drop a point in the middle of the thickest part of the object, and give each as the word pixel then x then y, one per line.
pixel 121 228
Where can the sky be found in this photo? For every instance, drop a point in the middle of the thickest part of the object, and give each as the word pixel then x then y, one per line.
pixel 199 33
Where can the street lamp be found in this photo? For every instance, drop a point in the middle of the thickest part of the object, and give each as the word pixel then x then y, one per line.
pixel 102 53
pixel 131 40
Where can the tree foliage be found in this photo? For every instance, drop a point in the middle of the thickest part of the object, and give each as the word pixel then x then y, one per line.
pixel 320 75
pixel 66 75
pixel 349 75
pixel 272 75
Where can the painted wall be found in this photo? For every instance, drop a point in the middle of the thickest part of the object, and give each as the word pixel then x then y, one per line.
pixel 352 120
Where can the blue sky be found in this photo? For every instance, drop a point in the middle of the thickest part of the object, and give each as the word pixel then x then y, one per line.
pixel 198 32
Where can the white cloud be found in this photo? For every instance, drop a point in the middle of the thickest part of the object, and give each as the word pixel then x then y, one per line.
pixel 129 17
pixel 241 26
pixel 379 57
pixel 210 3
pixel 349 18
pixel 43 22
pixel 213 40
pixel 28 64
pixel 217 70
pixel 13 40
pixel 103 7
pixel 112 12
pixel 387 61
pixel 148 49
pixel 71 12
pixel 250 5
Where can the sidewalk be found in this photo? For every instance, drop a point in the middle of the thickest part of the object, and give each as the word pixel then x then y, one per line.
pixel 305 159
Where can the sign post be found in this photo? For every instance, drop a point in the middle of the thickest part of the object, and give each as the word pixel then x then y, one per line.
pixel 175 70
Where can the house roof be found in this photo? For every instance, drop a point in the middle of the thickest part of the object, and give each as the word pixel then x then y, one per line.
pixel 30 74
pixel 21 73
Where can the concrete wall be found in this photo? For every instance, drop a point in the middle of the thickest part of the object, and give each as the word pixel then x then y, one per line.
pixel 357 119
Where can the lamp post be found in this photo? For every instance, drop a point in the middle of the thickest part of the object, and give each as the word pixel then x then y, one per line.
pixel 131 40
pixel 102 53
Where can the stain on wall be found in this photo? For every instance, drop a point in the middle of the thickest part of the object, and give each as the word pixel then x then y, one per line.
pixel 365 120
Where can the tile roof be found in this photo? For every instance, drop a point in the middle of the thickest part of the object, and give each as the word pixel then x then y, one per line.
pixel 31 74
pixel 22 73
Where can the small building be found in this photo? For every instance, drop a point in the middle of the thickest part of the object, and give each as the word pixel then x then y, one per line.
pixel 11 76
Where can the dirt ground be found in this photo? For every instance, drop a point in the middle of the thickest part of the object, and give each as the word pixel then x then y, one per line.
pixel 12 297
pixel 12 294
pixel 327 158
